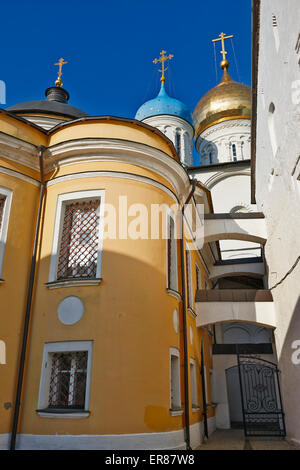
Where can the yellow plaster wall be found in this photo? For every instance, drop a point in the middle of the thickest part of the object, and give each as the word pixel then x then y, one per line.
pixel 13 291
pixel 21 130
pixel 111 129
pixel 129 316
pixel 107 166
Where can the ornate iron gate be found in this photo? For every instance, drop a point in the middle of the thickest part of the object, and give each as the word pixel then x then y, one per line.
pixel 261 398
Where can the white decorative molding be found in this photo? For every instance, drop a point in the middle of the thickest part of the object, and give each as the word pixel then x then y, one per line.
pixel 62 199
pixel 178 412
pixel 225 142
pixel 173 126
pixel 43 121
pixel 113 174
pixel 174 294
pixel 7 193
pixel 63 346
pixel 229 172
pixel 20 176
pixel 121 151
pixel 73 283
pixel 44 414
pixel 19 151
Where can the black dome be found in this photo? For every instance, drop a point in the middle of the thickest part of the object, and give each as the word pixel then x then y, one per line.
pixel 55 103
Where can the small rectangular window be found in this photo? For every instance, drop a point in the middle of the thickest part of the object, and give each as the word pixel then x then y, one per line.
pixel 172 279
pixel 198 278
pixel 5 205
pixel 234 150
pixel 2 202
pixel 175 401
pixel 193 383
pixel 66 376
pixel 189 278
pixel 68 380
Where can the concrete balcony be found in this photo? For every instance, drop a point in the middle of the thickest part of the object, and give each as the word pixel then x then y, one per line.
pixel 228 305
pixel 239 267
pixel 238 226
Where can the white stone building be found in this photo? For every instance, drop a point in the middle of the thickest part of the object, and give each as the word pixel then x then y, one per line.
pixel 276 179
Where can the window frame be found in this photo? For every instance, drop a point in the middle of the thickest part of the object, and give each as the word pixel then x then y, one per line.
pixel 62 201
pixel 175 409
pixel 170 288
pixel 43 401
pixel 194 385
pixel 4 223
pixel 189 277
pixel 198 276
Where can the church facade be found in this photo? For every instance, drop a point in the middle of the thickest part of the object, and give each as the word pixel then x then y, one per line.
pixel 118 333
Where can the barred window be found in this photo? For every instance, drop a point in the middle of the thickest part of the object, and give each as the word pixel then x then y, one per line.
pixel 68 380
pixel 79 240
pixel 2 202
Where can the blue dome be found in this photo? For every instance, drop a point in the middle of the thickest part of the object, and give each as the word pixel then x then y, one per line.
pixel 163 104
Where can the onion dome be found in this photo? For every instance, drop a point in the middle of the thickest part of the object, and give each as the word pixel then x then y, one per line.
pixel 163 104
pixel 56 103
pixel 228 100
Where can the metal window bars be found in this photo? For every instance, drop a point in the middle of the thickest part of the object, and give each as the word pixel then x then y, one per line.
pixel 68 380
pixel 79 241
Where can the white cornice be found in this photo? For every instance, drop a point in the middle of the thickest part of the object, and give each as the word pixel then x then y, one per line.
pixel 166 119
pixel 240 123
pixel 99 149
pixel 121 151
pixel 221 175
pixel 19 151
pixel 21 176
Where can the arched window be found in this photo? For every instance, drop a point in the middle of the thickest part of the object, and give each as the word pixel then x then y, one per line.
pixel 177 142
pixel 234 152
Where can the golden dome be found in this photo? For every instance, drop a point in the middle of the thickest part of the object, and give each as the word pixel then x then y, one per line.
pixel 228 100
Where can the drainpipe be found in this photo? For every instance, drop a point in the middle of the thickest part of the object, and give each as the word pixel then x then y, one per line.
pixel 185 340
pixel 28 307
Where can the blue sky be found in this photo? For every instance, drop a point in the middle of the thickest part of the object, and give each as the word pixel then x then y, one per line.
pixel 110 46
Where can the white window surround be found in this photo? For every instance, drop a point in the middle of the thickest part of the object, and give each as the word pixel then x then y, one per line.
pixel 66 346
pixel 172 288
pixel 193 379
pixel 189 275
pixel 175 401
pixel 199 276
pixel 62 200
pixel 4 224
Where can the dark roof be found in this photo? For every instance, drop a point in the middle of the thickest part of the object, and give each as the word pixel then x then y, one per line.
pixel 56 103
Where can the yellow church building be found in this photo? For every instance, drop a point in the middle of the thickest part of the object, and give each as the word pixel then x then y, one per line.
pixel 110 338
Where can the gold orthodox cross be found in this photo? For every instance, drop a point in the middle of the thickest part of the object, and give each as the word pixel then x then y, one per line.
pixel 222 38
pixel 60 63
pixel 163 59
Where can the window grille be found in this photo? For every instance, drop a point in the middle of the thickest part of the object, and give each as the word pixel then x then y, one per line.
pixel 79 240
pixel 2 201
pixel 68 380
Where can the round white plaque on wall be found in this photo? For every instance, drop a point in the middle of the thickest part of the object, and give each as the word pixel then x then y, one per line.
pixel 191 334
pixel 70 310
